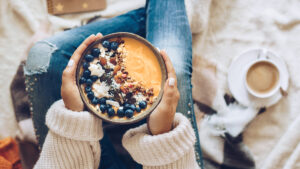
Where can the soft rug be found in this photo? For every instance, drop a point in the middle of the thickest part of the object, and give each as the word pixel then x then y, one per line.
pixel 222 30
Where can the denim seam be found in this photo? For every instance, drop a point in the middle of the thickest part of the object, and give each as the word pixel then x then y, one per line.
pixel 29 83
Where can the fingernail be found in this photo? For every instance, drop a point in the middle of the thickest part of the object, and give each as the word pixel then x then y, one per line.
pixel 98 34
pixel 171 82
pixel 71 63
pixel 158 49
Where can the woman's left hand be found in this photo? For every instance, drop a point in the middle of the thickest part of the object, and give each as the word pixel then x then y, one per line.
pixel 161 119
pixel 69 90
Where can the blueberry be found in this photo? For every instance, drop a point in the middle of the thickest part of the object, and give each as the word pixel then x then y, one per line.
pixel 95 52
pixel 88 89
pixel 85 65
pixel 106 44
pixel 103 108
pixel 94 78
pixel 126 106
pixel 132 107
pixel 129 113
pixel 89 82
pixel 102 100
pixel 86 73
pixel 88 58
pixel 143 104
pixel 111 112
pixel 95 100
pixel 121 112
pixel 114 45
pixel 138 109
pixel 90 95
pixel 82 80
pixel 108 106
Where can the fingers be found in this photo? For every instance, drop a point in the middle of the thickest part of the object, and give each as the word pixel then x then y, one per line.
pixel 161 119
pixel 171 93
pixel 99 35
pixel 172 80
pixel 169 65
pixel 78 52
pixel 70 70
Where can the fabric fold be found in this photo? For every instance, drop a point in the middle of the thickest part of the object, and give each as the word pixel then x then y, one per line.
pixel 82 126
pixel 164 149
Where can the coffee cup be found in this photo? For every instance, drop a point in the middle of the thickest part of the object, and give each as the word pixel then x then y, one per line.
pixel 262 77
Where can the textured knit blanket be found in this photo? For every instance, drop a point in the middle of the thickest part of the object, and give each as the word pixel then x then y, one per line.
pixel 231 136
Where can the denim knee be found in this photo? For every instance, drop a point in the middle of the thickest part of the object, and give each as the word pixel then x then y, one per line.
pixel 39 58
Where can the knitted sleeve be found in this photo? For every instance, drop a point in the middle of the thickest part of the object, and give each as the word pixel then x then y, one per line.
pixel 72 140
pixel 174 149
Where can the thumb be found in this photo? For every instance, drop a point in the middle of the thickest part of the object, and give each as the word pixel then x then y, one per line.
pixel 171 96
pixel 170 89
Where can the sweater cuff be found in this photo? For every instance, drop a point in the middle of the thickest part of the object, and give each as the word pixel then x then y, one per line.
pixel 82 126
pixel 162 149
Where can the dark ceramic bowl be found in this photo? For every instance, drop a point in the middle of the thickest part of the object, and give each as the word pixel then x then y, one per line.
pixel 141 115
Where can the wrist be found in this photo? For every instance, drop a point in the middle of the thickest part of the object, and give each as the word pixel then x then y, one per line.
pixel 74 107
pixel 160 125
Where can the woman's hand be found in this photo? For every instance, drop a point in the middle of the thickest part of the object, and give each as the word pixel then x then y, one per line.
pixel 161 119
pixel 69 90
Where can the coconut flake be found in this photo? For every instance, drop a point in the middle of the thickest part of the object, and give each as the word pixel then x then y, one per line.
pixel 115 84
pixel 100 89
pixel 102 50
pixel 121 48
pixel 96 70
pixel 139 97
pixel 113 103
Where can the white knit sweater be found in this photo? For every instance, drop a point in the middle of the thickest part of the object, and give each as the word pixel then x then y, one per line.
pixel 73 142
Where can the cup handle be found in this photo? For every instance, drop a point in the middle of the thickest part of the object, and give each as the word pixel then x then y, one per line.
pixel 283 92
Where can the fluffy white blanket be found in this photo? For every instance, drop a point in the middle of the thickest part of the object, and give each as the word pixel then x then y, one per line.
pixel 222 30
pixel 233 27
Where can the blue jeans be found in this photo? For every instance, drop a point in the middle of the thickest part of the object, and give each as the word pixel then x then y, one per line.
pixel 163 23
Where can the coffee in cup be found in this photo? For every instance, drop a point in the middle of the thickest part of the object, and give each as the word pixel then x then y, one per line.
pixel 262 78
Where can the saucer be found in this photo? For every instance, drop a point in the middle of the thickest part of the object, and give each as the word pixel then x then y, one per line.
pixel 237 72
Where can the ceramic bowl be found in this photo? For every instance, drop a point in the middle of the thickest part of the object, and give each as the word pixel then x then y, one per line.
pixel 141 115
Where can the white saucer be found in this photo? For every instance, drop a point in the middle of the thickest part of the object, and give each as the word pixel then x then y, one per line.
pixel 236 74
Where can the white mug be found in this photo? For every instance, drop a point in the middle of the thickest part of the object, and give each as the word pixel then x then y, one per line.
pixel 263 57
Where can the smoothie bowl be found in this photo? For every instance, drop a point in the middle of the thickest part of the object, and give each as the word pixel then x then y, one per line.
pixel 121 77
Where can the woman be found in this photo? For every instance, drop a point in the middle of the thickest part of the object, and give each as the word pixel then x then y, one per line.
pixel 72 140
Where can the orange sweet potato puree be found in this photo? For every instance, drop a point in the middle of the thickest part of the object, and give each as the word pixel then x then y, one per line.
pixel 142 65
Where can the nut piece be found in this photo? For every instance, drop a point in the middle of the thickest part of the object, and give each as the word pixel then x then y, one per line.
pixel 118 79
pixel 103 61
pixel 124 89
pixel 116 69
pixel 113 60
